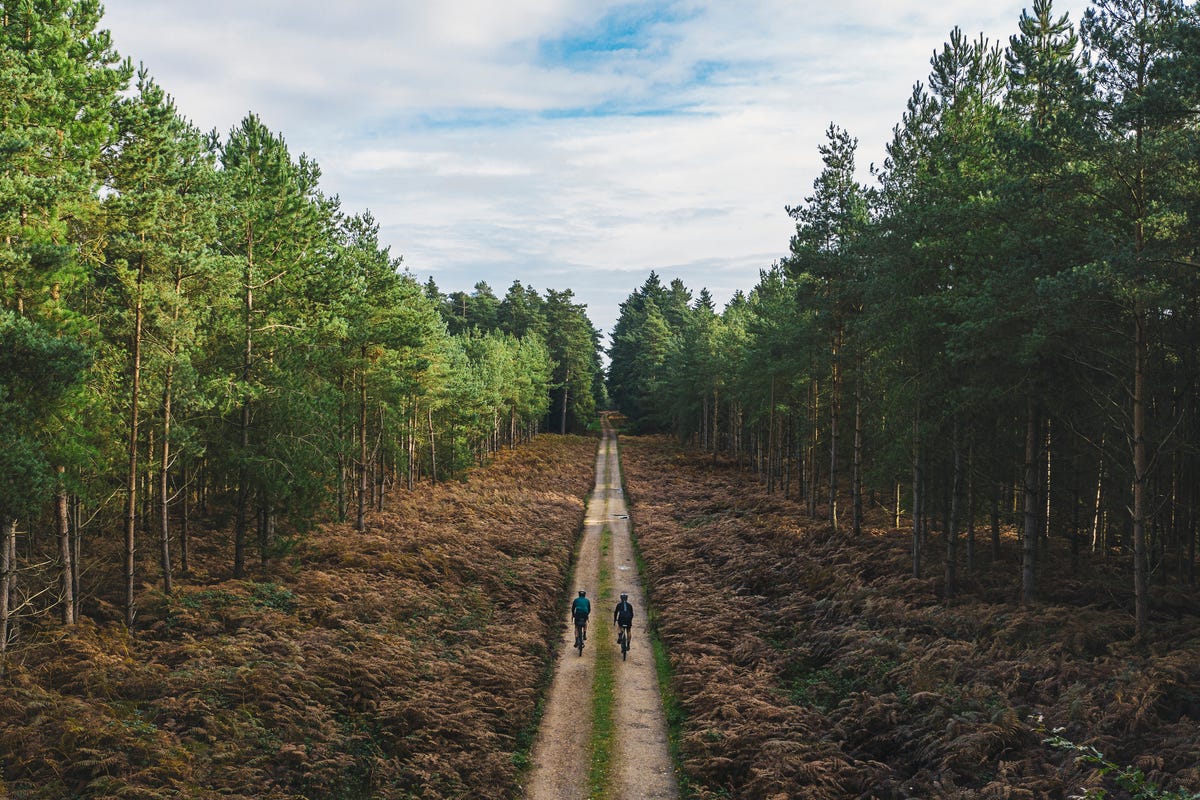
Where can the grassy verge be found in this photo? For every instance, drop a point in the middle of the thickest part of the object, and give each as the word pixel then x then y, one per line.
pixel 603 688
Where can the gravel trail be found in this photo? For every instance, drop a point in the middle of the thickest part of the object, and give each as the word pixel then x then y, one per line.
pixel 642 768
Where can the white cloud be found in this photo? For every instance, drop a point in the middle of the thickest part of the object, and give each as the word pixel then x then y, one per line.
pixel 485 136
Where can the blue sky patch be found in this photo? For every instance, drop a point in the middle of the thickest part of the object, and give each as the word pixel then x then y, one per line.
pixel 484 118
pixel 640 29
pixel 468 118
pixel 618 109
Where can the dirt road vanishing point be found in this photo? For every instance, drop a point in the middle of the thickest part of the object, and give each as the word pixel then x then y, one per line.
pixel 641 763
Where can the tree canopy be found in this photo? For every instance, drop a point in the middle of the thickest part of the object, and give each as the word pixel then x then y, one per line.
pixel 190 324
pixel 1002 324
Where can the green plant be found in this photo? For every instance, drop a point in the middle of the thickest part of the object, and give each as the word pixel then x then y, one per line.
pixel 1130 779
pixel 272 595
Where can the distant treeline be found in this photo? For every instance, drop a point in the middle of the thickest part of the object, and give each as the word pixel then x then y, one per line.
pixel 189 325
pixel 1002 328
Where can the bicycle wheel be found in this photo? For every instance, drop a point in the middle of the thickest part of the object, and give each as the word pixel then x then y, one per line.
pixel 579 639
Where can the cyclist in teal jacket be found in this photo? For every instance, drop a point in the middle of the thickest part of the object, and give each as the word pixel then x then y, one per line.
pixel 581 607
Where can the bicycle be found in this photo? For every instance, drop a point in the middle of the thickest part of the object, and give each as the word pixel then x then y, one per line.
pixel 580 633
pixel 623 638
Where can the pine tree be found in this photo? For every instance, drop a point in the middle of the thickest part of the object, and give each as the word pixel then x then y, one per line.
pixel 641 341
pixel 38 372
pixel 573 344
pixel 522 311
pixel 59 78
pixel 274 228
pixel 1021 312
pixel 826 264
pixel 1133 45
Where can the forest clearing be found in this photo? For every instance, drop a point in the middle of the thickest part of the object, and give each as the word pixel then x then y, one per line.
pixel 917 514
pixel 414 659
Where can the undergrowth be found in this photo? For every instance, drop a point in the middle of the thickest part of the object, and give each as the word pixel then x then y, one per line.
pixel 405 661
pixel 811 664
pixel 1129 779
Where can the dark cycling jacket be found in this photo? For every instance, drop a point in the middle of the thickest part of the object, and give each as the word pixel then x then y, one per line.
pixel 581 607
pixel 623 613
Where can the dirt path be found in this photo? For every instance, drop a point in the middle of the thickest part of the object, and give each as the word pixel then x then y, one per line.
pixel 642 762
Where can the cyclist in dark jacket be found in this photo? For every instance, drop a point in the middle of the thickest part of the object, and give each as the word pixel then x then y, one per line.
pixel 623 616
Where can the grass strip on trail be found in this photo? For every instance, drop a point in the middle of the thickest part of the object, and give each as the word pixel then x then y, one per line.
pixel 603 688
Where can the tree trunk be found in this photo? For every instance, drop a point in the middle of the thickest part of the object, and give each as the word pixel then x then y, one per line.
pixel 1030 538
pixel 164 497
pixel 494 442
pixel 771 440
pixel 381 482
pixel 996 525
pixel 566 393
pixel 360 520
pixel 241 521
pixel 835 408
pixel 62 520
pixel 76 551
pixel 917 505
pixel 896 506
pixel 184 511
pixel 8 546
pixel 342 438
pixel 971 508
pixel 1076 508
pixel 952 523
pixel 266 528
pixel 411 448
pixel 1141 592
pixel 241 514
pixel 1046 487
pixel 132 450
pixel 1191 556
pixel 856 480
pixel 715 434
pixel 432 450
pixel 381 460
pixel 164 472
pixel 813 476
pixel 789 442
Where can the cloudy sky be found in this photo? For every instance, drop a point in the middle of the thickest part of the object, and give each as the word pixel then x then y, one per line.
pixel 564 143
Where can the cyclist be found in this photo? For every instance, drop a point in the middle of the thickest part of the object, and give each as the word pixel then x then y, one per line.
pixel 581 607
pixel 623 617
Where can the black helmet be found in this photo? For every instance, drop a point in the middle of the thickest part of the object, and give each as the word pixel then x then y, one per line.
pixel 624 596
pixel 582 593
